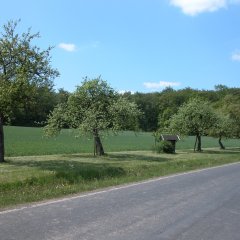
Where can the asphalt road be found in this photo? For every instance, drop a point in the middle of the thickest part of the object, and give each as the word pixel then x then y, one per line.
pixel 199 205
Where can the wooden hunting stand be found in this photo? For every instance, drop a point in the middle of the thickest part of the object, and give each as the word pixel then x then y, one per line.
pixel 170 138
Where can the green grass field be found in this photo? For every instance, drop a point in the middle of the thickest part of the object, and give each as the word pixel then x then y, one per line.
pixel 38 168
pixel 23 141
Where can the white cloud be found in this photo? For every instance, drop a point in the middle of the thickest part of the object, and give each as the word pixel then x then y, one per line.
pixel 194 7
pixel 69 47
pixel 161 84
pixel 125 91
pixel 236 56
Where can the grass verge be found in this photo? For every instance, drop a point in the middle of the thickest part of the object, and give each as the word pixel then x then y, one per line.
pixel 31 179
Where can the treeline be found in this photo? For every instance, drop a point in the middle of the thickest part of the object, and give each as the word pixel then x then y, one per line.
pixel 34 111
pixel 157 107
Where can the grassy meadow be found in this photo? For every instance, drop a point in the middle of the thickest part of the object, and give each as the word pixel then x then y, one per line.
pixel 38 168
pixel 24 141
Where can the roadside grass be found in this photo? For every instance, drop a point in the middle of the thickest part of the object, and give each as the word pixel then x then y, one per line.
pixel 26 141
pixel 36 178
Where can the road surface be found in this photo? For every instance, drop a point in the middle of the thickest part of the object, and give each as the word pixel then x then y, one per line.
pixel 200 205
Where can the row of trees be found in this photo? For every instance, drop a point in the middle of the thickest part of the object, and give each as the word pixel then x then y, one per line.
pixel 95 108
pixel 157 107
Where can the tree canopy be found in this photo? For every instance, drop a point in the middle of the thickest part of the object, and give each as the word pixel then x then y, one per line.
pixel 24 69
pixel 222 128
pixel 94 108
pixel 196 117
pixel 231 108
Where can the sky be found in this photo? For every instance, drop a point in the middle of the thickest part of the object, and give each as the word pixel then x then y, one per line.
pixel 136 45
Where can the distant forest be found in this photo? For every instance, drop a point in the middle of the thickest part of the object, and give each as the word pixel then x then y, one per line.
pixel 157 107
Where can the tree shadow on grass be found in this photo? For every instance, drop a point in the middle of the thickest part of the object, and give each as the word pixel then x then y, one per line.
pixel 136 157
pixel 120 157
pixel 227 151
pixel 73 171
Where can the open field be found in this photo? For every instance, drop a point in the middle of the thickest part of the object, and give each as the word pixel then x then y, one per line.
pixel 35 178
pixel 23 141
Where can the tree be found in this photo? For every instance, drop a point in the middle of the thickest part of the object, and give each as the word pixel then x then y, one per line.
pixel 62 95
pixel 35 112
pixel 222 128
pixel 169 102
pixel 231 107
pixel 195 117
pixel 148 104
pixel 94 108
pixel 24 68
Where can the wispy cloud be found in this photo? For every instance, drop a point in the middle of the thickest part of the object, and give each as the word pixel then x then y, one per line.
pixel 195 7
pixel 69 47
pixel 161 84
pixel 236 56
pixel 125 91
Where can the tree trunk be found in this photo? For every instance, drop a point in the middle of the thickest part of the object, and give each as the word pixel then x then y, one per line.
pixel 220 143
pixel 1 140
pixel 195 143
pixel 199 145
pixel 98 147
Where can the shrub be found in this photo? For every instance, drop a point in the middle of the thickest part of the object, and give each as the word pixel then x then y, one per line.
pixel 165 147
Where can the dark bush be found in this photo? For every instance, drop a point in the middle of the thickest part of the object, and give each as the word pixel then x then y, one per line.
pixel 165 147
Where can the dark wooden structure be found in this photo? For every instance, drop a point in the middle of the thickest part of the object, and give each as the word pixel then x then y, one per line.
pixel 170 138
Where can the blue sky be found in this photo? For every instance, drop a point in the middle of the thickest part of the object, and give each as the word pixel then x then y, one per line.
pixel 136 45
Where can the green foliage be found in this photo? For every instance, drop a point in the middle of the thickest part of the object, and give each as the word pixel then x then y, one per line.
pixel 164 147
pixel 194 118
pixel 57 121
pixel 124 114
pixel 231 107
pixel 24 68
pixel 148 103
pixel 169 102
pixel 223 127
pixel 159 107
pixel 94 105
